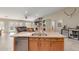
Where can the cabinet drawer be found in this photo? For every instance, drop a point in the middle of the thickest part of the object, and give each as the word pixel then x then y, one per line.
pixel 57 39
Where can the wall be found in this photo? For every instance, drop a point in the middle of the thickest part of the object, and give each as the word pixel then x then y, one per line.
pixel 67 20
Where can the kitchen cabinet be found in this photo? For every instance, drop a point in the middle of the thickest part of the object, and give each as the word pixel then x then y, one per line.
pixel 33 44
pixel 56 45
pixel 46 44
pixel 29 42
pixel 38 44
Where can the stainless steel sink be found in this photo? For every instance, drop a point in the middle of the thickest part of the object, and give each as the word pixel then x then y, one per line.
pixel 39 34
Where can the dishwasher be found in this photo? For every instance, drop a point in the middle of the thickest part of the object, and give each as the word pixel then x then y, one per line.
pixel 21 44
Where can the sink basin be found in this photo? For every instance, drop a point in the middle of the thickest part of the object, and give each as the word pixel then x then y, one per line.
pixel 39 34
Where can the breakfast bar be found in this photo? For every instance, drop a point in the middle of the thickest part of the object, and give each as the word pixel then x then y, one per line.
pixel 40 41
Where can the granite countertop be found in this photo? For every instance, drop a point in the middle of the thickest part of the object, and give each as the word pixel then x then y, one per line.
pixel 29 34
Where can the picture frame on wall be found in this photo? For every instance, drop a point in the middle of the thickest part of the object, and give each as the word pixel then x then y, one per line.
pixel 59 25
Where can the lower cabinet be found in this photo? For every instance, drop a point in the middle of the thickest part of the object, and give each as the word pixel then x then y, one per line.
pixel 57 45
pixel 45 44
pixel 33 44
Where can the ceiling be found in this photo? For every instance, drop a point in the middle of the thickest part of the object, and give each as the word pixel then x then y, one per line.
pixel 17 13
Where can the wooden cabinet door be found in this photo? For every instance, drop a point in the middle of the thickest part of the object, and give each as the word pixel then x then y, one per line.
pixel 44 44
pixel 60 44
pixel 52 44
pixel 33 44
pixel 57 45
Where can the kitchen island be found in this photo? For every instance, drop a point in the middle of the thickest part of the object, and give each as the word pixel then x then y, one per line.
pixel 36 42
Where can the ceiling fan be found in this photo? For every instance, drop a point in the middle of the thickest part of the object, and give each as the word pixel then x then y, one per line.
pixel 71 12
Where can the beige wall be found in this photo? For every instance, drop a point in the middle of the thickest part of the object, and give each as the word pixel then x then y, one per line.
pixel 67 20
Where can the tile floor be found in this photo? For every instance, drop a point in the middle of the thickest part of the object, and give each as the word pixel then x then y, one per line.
pixel 71 44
